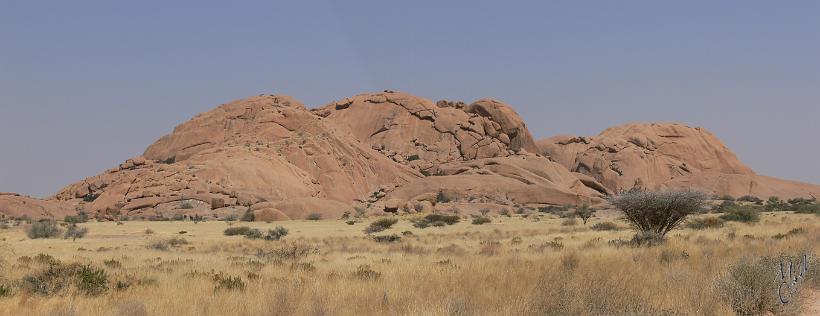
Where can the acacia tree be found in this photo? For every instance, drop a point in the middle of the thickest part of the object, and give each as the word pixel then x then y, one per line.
pixel 584 212
pixel 654 214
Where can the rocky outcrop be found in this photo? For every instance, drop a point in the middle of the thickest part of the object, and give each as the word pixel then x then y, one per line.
pixel 271 157
pixel 480 152
pixel 247 152
pixel 664 155
pixel 421 134
pixel 526 180
pixel 18 206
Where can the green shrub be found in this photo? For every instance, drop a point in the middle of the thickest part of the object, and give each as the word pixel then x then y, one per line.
pixel 775 204
pixel 436 220
pixel 55 278
pixel 704 223
pixel 380 225
pixel 658 212
pixel 277 233
pixel 43 229
pixel 481 220
pixel 234 231
pixel 75 232
pixel 229 283
pixel 387 238
pixel 745 214
pixel 90 197
pixel 92 281
pixel 81 217
pixel 253 233
pixel 750 198
pixel 314 216
pixel 725 198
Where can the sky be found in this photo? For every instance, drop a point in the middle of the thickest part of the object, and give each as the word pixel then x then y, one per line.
pixel 85 85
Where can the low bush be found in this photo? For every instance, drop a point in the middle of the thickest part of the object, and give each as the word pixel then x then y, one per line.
pixel 744 214
pixel 387 238
pixel 253 233
pixel 166 244
pixel 605 226
pixel 750 286
pixel 436 220
pixel 228 283
pixel 380 225
pixel 646 238
pixel 704 223
pixel 314 217
pixel 81 217
pixel 75 232
pixel 750 198
pixel 234 231
pixel 584 212
pixel 365 272
pixel 481 220
pixel 44 229
pixel 57 278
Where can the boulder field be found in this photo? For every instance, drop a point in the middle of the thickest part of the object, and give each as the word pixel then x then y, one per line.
pixel 271 157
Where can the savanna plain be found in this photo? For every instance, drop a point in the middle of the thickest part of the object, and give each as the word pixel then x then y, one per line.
pixel 529 262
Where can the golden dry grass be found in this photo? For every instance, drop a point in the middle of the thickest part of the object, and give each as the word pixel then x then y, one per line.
pixel 512 266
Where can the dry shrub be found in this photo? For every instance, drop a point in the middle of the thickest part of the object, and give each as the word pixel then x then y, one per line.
pixel 750 286
pixel 658 212
pixel 57 278
pixel 166 244
pixel 44 229
pixel 380 225
pixel 605 226
pixel 705 223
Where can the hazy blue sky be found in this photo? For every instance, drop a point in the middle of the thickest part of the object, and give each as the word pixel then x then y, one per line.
pixel 85 85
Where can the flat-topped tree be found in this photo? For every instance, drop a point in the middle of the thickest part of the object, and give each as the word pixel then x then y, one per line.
pixel 654 214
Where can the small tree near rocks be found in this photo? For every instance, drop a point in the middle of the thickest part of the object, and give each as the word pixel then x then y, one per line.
pixel 75 232
pixel 656 213
pixel 584 212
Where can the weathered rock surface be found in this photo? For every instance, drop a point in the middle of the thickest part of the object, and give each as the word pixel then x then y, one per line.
pixel 421 134
pixel 16 206
pixel 515 180
pixel 664 155
pixel 260 149
pixel 392 152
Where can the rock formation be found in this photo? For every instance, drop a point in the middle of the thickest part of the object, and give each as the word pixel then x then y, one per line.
pixel 481 152
pixel 244 154
pixel 665 155
pixel 270 157
pixel 18 206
